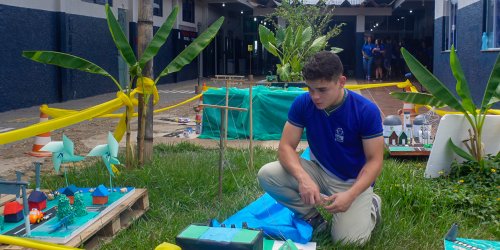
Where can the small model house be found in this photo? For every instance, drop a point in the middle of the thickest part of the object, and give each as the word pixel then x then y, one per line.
pixel 13 212
pixel 100 195
pixel 38 200
pixel 391 123
pixel 403 138
pixel 394 138
pixel 70 193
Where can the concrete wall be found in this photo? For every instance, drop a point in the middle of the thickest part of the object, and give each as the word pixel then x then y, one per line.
pixel 477 64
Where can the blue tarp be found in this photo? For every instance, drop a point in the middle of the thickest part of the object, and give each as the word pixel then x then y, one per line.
pixel 273 218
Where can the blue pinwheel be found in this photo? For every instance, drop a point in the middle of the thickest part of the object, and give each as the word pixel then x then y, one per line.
pixel 108 153
pixel 62 152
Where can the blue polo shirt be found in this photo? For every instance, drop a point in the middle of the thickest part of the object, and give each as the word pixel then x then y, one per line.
pixel 367 48
pixel 335 137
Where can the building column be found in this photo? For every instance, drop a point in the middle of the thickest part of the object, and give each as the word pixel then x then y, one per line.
pixel 360 40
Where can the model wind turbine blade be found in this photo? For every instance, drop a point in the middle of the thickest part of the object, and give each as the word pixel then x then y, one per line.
pixel 57 158
pixel 106 159
pixel 69 148
pixel 57 148
pixel 53 146
pixel 98 150
pixel 108 153
pixel 113 145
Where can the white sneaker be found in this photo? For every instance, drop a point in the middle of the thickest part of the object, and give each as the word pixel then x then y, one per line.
pixel 377 205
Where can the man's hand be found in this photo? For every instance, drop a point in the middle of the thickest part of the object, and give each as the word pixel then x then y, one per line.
pixel 309 192
pixel 339 202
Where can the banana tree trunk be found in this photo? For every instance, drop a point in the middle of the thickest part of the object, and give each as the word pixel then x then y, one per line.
pixel 145 128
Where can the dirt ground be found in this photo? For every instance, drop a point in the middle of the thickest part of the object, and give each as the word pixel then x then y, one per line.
pixel 85 135
pixel 88 134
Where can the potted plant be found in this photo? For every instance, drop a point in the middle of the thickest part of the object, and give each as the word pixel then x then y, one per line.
pixel 439 96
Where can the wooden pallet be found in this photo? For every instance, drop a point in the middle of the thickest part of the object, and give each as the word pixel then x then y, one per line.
pixel 409 151
pixel 104 229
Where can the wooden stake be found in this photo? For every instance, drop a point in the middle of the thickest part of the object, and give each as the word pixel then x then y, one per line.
pixel 223 131
pixel 250 101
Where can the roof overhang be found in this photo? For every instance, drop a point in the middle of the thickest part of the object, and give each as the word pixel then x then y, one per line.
pixel 244 2
pixel 340 11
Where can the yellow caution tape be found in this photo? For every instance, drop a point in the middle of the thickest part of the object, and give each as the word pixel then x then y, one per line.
pixel 29 243
pixel 61 122
pixel 377 85
pixel 64 117
pixel 179 104
pixel 56 112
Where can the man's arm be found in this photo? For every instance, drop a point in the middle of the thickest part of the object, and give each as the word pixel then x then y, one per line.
pixel 309 190
pixel 374 152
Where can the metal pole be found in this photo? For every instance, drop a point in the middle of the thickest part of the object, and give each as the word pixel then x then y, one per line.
pixel 226 113
pixel 199 62
pixel 221 156
pixel 26 212
pixel 18 179
pixel 250 101
pixel 38 166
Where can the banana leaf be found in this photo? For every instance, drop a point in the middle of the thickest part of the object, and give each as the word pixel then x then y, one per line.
pixel 430 82
pixel 317 44
pixel 492 91
pixel 462 153
pixel 284 72
pixel 268 40
pixel 280 36
pixel 462 87
pixel 306 37
pixel 298 38
pixel 119 38
pixel 295 63
pixel 193 50
pixel 159 38
pixel 336 50
pixel 287 43
pixel 419 98
pixel 67 61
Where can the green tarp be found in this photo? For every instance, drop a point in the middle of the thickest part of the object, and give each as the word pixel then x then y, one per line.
pixel 270 112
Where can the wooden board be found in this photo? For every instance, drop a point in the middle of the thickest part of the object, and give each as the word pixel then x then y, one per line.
pixel 109 224
pixel 408 151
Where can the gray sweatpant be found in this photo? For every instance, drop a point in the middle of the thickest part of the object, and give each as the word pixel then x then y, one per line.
pixel 353 226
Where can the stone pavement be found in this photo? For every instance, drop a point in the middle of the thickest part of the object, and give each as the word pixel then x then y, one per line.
pixel 387 104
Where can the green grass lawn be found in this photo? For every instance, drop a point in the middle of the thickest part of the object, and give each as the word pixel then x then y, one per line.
pixel 182 182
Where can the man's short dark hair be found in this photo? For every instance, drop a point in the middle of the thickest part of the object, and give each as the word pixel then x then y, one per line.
pixel 324 65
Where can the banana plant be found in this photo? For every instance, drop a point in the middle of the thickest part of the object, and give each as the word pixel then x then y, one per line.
pixel 439 96
pixel 291 47
pixel 69 61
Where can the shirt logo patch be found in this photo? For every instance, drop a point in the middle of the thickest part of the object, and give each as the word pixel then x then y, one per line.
pixel 339 135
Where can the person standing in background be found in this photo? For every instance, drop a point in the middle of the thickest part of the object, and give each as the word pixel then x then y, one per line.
pixel 367 51
pixel 378 57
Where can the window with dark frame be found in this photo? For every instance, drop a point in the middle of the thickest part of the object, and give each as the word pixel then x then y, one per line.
pixel 450 24
pixel 158 7
pixel 188 11
pixel 492 23
pixel 102 2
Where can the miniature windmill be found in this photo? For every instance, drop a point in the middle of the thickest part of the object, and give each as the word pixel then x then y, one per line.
pixel 62 152
pixel 109 154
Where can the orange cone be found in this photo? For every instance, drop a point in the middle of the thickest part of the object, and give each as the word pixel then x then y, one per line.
pixel 41 140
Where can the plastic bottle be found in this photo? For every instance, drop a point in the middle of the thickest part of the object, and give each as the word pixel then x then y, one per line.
pixel 484 41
